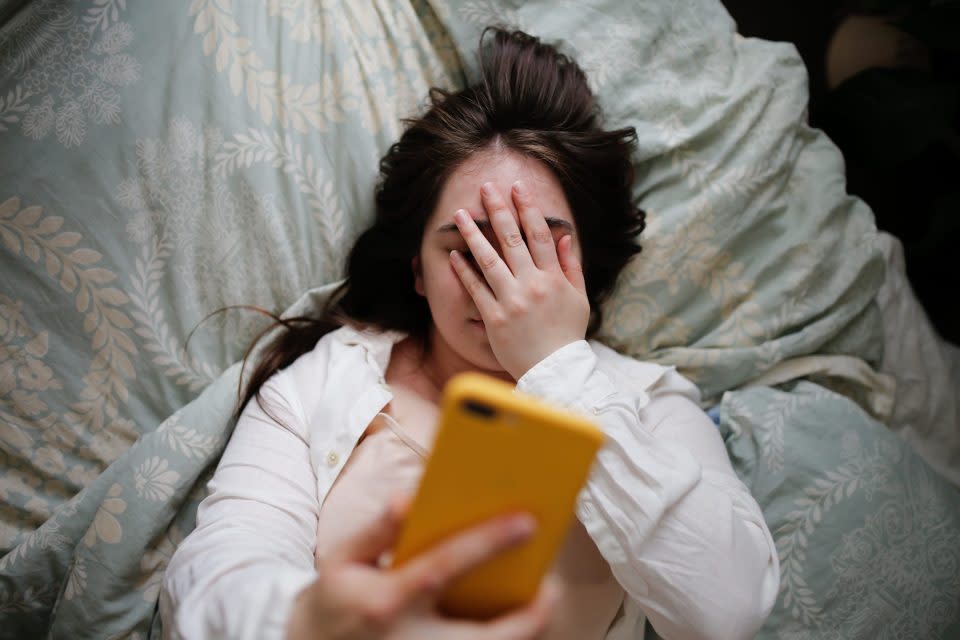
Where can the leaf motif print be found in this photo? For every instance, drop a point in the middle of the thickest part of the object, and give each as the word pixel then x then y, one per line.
pixel 235 252
pixel 39 119
pixel 114 40
pixel 248 74
pixel 154 480
pixel 155 561
pixel 484 12
pixel 151 318
pixel 66 79
pixel 186 440
pixel 105 525
pixel 104 12
pixel 71 124
pixel 78 271
pixel 303 17
pixel 12 107
pixel 76 580
pixel 255 146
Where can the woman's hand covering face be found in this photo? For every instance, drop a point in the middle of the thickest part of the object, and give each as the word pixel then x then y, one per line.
pixel 533 299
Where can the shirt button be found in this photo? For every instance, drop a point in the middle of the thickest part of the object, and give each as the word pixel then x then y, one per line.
pixel 333 458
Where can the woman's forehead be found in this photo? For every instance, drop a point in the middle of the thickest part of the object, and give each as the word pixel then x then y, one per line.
pixel 502 168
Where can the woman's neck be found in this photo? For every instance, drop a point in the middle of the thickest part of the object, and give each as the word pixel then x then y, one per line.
pixel 438 362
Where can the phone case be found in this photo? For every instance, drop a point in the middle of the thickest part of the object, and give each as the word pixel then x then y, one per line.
pixel 498 451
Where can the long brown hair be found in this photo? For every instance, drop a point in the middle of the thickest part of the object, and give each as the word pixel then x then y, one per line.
pixel 529 99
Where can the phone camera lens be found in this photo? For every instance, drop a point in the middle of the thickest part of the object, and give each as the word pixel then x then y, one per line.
pixel 479 409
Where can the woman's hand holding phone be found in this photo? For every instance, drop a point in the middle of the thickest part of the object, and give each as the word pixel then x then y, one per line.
pixel 353 599
pixel 533 300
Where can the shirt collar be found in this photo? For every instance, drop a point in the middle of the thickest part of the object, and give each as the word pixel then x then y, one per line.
pixel 377 342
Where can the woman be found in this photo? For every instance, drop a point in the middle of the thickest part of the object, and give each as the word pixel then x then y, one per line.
pixel 504 216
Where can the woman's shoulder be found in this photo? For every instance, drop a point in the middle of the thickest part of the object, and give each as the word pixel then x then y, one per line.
pixel 318 378
pixel 310 371
pixel 341 348
pixel 348 357
pixel 321 351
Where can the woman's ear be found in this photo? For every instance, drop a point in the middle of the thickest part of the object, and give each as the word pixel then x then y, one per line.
pixel 417 276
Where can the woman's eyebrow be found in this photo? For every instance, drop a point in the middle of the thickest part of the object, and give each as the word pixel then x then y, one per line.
pixel 553 223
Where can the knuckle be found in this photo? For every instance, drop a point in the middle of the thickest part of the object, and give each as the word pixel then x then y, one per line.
pixel 429 582
pixel 513 239
pixel 487 260
pixel 515 306
pixel 443 565
pixel 379 611
pixel 538 291
pixel 542 235
pixel 474 547
pixel 470 236
pixel 497 319
pixel 474 285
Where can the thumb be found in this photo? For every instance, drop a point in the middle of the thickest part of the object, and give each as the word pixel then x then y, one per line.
pixel 370 542
pixel 570 265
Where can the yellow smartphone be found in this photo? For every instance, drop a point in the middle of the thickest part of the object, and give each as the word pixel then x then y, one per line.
pixel 498 451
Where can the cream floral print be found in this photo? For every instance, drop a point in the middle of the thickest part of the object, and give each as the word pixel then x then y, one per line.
pixel 232 254
pixel 69 71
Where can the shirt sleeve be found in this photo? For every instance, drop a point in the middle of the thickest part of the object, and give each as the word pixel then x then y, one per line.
pixel 237 574
pixel 683 536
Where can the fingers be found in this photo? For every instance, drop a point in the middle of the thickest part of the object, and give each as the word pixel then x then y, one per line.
pixel 525 623
pixel 497 274
pixel 474 284
pixel 514 248
pixel 532 620
pixel 430 572
pixel 371 542
pixel 539 238
pixel 570 265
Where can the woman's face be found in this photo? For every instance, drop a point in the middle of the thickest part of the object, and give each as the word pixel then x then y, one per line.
pixel 457 335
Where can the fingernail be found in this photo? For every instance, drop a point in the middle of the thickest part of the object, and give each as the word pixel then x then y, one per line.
pixel 487 188
pixel 520 188
pixel 522 527
pixel 460 216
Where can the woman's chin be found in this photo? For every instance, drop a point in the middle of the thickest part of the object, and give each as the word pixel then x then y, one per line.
pixel 487 363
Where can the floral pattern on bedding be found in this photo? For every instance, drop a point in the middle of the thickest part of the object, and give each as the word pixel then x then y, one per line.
pixel 174 158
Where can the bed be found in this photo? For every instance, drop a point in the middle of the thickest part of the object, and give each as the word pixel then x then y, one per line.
pixel 159 161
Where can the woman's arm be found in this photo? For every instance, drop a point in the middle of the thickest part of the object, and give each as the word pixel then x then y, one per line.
pixel 681 533
pixel 237 574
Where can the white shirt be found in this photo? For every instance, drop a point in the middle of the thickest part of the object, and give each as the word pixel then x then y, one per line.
pixel 683 536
